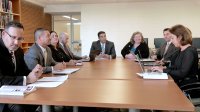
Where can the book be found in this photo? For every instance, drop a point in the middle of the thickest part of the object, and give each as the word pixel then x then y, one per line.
pixel 1 5
pixel 153 75
pixel 13 90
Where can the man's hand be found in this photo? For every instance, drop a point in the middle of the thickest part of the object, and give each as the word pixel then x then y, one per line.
pixel 60 66
pixel 34 74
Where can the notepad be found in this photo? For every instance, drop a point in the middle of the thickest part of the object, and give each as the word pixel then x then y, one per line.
pixel 65 71
pixel 153 75
pixel 13 90
pixel 49 82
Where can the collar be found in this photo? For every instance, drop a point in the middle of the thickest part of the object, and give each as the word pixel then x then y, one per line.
pixel 43 49
pixel 169 42
pixel 61 44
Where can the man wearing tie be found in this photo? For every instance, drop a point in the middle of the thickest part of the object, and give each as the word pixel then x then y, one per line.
pixel 106 48
pixel 167 51
pixel 40 53
pixel 63 40
pixel 13 70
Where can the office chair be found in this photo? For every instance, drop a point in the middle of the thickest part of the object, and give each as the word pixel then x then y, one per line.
pixel 146 40
pixel 195 42
pixel 192 91
pixel 158 42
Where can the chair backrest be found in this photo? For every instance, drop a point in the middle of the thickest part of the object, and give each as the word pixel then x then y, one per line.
pixel 146 40
pixel 158 42
pixel 196 42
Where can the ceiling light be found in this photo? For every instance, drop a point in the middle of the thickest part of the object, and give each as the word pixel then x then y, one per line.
pixel 68 17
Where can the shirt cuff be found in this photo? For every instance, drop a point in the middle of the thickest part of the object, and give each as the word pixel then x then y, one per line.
pixel 24 81
pixel 52 68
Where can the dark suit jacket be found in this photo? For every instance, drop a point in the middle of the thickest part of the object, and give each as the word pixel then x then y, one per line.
pixel 58 54
pixel 143 48
pixel 74 57
pixel 35 56
pixel 7 74
pixel 109 48
pixel 168 55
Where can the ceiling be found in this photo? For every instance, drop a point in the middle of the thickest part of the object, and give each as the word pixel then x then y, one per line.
pixel 56 2
pixel 77 16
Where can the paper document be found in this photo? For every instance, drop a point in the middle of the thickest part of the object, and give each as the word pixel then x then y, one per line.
pixel 46 84
pixel 8 90
pixel 54 79
pixel 49 82
pixel 65 71
pixel 153 75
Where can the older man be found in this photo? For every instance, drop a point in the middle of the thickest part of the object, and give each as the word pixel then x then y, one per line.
pixel 63 39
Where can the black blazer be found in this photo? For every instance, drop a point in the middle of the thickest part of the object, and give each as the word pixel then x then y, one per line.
pixel 7 74
pixel 185 67
pixel 143 48
pixel 110 48
pixel 59 55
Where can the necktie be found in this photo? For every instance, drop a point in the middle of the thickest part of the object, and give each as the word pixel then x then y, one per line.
pixel 68 51
pixel 103 48
pixel 166 48
pixel 13 59
pixel 45 57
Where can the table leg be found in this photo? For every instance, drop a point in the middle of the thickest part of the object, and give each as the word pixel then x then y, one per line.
pixel 75 109
pixel 46 108
pixel 133 110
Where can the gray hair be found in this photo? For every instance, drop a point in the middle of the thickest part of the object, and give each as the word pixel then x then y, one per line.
pixel 61 36
pixel 38 32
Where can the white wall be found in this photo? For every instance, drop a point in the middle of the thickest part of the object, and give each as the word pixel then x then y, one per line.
pixel 120 20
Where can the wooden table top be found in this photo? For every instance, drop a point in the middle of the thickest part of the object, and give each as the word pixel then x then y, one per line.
pixel 116 69
pixel 109 83
pixel 137 94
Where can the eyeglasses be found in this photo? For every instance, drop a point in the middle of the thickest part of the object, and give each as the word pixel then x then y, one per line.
pixel 21 39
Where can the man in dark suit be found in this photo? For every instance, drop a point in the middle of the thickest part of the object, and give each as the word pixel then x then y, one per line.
pixel 40 53
pixel 167 50
pixel 13 70
pixel 106 48
pixel 63 40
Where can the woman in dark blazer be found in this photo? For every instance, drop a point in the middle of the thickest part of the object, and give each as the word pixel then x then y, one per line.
pixel 185 68
pixel 136 46
pixel 57 53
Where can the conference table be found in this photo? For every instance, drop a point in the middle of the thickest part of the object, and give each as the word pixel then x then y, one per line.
pixel 117 69
pixel 110 84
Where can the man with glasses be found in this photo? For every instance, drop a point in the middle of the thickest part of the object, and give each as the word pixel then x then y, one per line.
pixel 13 70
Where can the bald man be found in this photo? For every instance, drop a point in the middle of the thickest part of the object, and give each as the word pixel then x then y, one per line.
pixel 64 39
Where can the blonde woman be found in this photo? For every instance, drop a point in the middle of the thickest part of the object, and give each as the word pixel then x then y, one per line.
pixel 136 46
